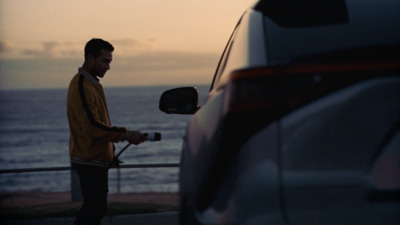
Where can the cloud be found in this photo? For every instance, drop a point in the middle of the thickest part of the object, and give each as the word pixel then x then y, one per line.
pixel 129 44
pixel 34 52
pixel 54 49
pixel 126 42
pixel 6 46
pixel 151 68
pixel 61 49
pixel 166 67
pixel 50 46
pixel 166 60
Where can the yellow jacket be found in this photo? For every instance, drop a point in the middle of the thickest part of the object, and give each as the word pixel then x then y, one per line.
pixel 91 133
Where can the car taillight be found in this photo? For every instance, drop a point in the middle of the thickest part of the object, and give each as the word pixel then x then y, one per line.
pixel 249 95
pixel 256 97
pixel 251 102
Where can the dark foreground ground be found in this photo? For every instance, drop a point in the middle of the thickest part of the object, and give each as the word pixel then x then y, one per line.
pixel 31 207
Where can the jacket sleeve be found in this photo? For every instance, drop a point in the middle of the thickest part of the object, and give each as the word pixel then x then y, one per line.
pixel 91 114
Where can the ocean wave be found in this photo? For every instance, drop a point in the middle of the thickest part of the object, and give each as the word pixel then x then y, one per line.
pixel 35 134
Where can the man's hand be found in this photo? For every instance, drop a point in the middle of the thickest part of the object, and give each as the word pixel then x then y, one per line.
pixel 135 137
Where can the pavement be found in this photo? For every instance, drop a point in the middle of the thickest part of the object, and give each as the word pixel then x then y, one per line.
pixel 165 218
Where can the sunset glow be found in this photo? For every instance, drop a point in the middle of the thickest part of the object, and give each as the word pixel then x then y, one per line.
pixel 156 41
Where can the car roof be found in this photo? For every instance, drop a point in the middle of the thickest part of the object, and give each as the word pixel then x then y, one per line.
pixel 307 29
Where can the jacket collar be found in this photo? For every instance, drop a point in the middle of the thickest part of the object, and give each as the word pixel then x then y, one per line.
pixel 88 76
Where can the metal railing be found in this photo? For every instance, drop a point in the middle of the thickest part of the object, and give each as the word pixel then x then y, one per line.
pixel 75 188
pixel 44 169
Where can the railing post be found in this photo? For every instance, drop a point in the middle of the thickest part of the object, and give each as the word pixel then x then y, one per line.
pixel 76 195
pixel 118 181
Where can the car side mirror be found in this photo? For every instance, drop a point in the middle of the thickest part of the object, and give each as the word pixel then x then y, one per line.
pixel 179 101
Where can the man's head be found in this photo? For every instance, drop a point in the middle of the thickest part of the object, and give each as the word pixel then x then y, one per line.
pixel 98 56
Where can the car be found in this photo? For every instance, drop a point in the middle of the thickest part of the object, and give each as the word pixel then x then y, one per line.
pixel 301 124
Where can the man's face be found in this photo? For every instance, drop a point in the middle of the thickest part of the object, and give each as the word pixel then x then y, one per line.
pixel 100 64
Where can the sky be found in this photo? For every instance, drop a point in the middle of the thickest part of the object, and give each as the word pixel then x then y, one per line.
pixel 156 42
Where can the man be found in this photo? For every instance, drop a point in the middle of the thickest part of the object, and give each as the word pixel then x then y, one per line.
pixel 91 134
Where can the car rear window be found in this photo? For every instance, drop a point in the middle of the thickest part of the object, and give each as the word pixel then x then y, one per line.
pixel 291 35
pixel 306 13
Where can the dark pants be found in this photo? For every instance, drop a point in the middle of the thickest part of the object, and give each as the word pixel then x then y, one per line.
pixel 94 188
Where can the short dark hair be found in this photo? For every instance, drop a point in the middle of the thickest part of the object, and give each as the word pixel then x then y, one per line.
pixel 95 45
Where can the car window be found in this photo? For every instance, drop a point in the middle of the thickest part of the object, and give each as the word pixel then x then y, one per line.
pixel 301 15
pixel 224 59
pixel 361 29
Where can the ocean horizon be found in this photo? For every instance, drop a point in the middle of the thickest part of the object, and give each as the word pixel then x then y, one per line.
pixel 35 134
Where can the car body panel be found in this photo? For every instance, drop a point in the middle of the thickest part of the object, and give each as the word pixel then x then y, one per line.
pixel 301 123
pixel 325 178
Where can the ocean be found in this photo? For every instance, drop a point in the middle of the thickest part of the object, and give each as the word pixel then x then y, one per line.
pixel 34 134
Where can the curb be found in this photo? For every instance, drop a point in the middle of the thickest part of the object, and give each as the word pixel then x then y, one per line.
pixel 166 218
